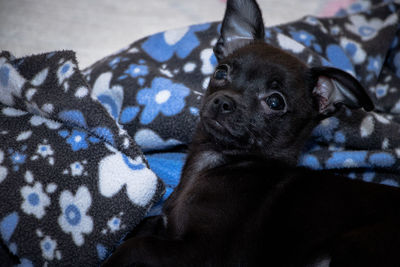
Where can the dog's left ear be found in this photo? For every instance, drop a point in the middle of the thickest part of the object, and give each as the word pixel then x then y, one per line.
pixel 335 87
pixel 242 24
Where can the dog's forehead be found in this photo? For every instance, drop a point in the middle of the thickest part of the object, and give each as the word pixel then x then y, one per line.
pixel 260 64
pixel 264 56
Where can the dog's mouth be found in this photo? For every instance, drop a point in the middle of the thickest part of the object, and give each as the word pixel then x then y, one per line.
pixel 220 129
pixel 213 126
pixel 224 135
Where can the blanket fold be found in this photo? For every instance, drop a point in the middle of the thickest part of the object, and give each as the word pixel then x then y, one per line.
pixel 73 181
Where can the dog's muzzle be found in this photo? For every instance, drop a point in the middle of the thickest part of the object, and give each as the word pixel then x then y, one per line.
pixel 216 111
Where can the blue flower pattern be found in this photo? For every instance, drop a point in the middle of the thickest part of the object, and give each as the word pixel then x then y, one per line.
pixel 303 37
pixel 137 70
pixel 128 114
pixel 375 64
pixel 50 164
pixel 164 97
pixel 343 49
pixel 17 159
pixel 77 140
pixel 161 50
pixel 338 58
pixel 326 129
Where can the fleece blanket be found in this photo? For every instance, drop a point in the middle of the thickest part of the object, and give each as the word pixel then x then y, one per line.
pixel 72 181
pixel 153 88
pixel 73 178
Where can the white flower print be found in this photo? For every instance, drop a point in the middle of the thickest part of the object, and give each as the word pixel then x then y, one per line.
pixel 48 247
pixel 114 224
pixel 368 29
pixel 353 50
pixel 74 219
pixel 44 150
pixel 38 120
pixel 76 168
pixel 35 200
pixel 3 170
pixel 118 170
pixel 65 71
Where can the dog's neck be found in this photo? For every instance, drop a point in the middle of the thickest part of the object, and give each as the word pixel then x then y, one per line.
pixel 204 156
pixel 207 159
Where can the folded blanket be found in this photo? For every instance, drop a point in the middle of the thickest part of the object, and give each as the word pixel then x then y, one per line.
pixel 72 182
pixel 164 76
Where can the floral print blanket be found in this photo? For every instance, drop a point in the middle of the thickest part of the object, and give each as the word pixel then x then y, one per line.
pixel 72 181
pixel 154 87
pixel 73 177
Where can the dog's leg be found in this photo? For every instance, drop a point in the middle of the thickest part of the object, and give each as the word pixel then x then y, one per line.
pixel 153 251
pixel 376 245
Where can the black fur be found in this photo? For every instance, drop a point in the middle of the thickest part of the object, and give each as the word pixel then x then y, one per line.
pixel 241 200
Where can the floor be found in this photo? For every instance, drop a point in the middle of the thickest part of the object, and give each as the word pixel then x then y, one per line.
pixel 96 28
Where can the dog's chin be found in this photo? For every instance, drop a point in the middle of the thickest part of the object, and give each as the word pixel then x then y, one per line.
pixel 221 132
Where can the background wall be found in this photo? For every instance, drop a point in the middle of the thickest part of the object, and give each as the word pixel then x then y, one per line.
pixel 96 28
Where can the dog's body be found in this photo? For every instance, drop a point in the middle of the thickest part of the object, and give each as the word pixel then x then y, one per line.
pixel 241 200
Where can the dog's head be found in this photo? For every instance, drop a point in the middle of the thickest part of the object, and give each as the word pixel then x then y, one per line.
pixel 263 100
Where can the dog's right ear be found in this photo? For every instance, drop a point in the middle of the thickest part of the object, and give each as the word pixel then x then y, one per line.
pixel 242 24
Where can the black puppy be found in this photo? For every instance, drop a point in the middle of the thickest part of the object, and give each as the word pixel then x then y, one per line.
pixel 241 200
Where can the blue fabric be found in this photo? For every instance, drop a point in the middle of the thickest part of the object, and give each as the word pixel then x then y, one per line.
pixel 168 166
pixel 163 78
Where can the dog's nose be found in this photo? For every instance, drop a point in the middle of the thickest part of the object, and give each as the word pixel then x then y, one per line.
pixel 223 104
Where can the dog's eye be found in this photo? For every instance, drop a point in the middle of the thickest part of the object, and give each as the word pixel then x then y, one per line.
pixel 275 102
pixel 221 72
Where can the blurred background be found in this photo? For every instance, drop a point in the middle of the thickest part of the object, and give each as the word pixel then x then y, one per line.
pixel 97 28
